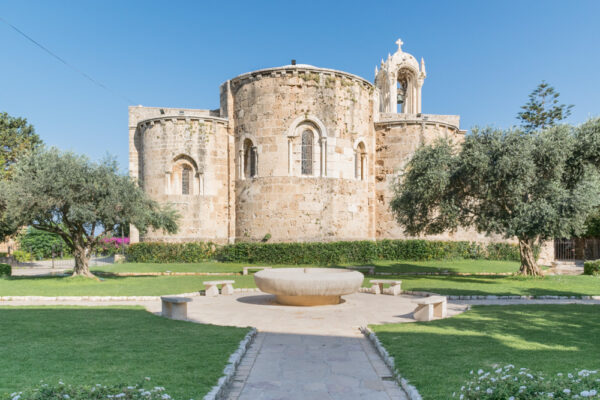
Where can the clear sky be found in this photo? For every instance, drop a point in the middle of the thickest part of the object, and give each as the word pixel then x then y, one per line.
pixel 483 57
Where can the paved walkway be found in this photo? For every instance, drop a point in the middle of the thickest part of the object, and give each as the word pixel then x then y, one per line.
pixel 310 352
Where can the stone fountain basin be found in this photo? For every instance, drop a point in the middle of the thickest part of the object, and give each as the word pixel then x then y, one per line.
pixel 308 286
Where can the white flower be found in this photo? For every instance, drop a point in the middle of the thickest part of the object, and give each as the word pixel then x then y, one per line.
pixel 593 392
pixel 479 372
pixel 567 391
pixel 498 370
pixel 551 395
pixel 16 397
pixel 511 398
pixel 585 393
pixel 165 396
pixel 66 396
pixel 462 396
pixel 489 391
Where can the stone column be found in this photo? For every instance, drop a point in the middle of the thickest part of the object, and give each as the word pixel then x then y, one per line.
pixel 241 164
pixel 290 155
pixel 323 142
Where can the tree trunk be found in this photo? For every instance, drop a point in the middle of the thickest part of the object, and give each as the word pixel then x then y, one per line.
pixel 528 262
pixel 82 259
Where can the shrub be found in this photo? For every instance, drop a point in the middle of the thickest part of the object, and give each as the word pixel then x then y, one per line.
pixel 41 244
pixel 111 245
pixel 84 392
pixel 5 270
pixel 170 252
pixel 317 253
pixel 508 383
pixel 591 267
pixel 22 256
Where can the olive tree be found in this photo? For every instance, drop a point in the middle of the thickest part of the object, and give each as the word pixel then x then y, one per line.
pixel 530 186
pixel 67 194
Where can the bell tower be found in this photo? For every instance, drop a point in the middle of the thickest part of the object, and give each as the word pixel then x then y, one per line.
pixel 399 81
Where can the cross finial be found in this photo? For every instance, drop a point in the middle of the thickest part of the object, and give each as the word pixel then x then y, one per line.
pixel 399 42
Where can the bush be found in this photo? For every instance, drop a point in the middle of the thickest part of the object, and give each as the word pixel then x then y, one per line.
pixel 317 253
pixel 5 270
pixel 41 244
pixel 591 267
pixel 84 392
pixel 508 383
pixel 22 256
pixel 111 245
pixel 170 252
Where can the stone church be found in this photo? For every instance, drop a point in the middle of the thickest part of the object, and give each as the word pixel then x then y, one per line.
pixel 294 153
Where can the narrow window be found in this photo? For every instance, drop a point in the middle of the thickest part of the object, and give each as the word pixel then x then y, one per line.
pixel 307 153
pixel 360 162
pixel 185 179
pixel 250 159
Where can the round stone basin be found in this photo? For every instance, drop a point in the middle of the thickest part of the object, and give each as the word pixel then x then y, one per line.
pixel 308 286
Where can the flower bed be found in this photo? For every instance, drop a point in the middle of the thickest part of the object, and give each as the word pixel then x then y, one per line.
pixel 509 383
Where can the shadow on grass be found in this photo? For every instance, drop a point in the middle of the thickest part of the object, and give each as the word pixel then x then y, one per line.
pixel 437 356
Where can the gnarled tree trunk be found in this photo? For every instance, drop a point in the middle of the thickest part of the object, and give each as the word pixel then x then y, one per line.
pixel 82 259
pixel 529 264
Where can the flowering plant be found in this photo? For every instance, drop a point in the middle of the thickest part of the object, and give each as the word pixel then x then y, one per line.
pixel 508 383
pixel 111 244
pixel 94 392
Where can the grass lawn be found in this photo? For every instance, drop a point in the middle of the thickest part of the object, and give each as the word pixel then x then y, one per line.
pixel 557 285
pixel 469 266
pixel 105 345
pixel 161 285
pixel 437 356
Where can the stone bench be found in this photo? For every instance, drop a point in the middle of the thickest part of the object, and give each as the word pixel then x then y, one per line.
pixel 246 269
pixel 430 307
pixel 175 307
pixel 377 286
pixel 212 288
pixel 370 269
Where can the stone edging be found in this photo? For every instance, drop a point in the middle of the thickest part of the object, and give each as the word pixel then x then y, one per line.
pixel 410 390
pixel 113 298
pixel 494 297
pixel 102 273
pixel 488 297
pixel 219 389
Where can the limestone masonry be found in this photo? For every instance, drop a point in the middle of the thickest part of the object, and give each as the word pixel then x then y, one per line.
pixel 297 152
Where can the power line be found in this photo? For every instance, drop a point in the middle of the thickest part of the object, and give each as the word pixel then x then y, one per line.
pixel 128 100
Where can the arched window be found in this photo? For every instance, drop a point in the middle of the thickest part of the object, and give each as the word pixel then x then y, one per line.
pixel 360 162
pixel 186 174
pixel 250 159
pixel 307 152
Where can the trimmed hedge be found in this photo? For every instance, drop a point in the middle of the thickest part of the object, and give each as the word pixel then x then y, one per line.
pixel 319 253
pixel 152 252
pixel 5 270
pixel 591 267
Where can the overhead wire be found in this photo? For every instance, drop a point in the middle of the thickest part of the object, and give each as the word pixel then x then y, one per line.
pixel 63 61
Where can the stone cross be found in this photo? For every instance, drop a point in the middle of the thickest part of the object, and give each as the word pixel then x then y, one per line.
pixel 399 42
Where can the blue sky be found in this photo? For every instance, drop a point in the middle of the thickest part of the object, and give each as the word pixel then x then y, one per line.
pixel 483 57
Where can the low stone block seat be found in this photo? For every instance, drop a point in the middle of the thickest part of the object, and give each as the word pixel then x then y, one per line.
pixel 255 268
pixel 431 307
pixel 174 307
pixel 369 268
pixel 212 288
pixel 377 286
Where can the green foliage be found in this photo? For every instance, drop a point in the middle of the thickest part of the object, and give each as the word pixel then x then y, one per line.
pixel 542 110
pixel 266 238
pixel 170 252
pixel 318 253
pixel 533 186
pixel 18 138
pixel 507 383
pixel 41 244
pixel 591 267
pixel 5 270
pixel 62 391
pixel 22 256
pixel 68 195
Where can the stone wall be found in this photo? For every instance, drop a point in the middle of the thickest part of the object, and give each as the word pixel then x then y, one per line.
pixel 271 109
pixel 166 146
pixel 293 209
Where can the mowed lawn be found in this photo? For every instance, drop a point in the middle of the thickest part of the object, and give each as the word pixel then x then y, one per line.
pixel 463 266
pixel 111 345
pixel 437 356
pixel 161 285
